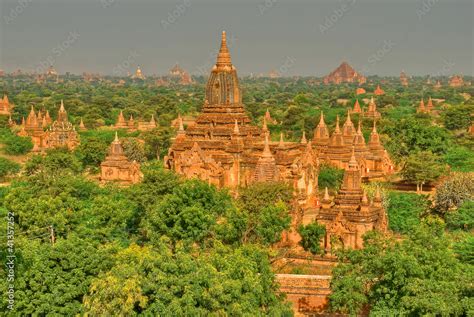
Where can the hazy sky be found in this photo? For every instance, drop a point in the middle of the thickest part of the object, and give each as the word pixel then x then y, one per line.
pixel 293 37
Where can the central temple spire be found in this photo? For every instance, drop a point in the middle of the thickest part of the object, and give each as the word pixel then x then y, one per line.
pixel 223 58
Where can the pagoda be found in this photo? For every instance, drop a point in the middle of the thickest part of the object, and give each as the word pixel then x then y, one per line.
pixel 349 215
pixel 176 70
pixel 344 74
pixel 456 81
pixel 138 74
pixel 117 168
pixel 5 106
pixel 357 108
pixel 61 133
pixel 403 79
pixel 372 110
pixel 224 149
pixel 379 91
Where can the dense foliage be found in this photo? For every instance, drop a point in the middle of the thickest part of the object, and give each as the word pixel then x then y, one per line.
pixel 417 276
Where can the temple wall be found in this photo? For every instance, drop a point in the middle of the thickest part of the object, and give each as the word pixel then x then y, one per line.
pixel 307 293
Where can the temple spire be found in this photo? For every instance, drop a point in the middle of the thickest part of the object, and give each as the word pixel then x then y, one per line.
pixel 303 138
pixel 223 58
pixel 236 127
pixel 321 120
pixel 62 106
pixel 116 137
pixel 266 149
pixel 281 143
pixel 338 130
pixel 353 162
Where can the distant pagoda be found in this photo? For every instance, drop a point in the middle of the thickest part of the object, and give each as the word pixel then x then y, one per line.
pixel 344 74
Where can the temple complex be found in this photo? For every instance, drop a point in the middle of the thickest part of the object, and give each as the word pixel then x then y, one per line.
pixel 117 168
pixel 403 79
pixel 222 147
pixel 138 74
pixel 425 109
pixel 456 81
pixel 357 108
pixel 372 112
pixel 349 215
pixel 132 125
pixel 176 70
pixel 46 134
pixel 372 159
pixel 5 106
pixel 379 91
pixel 344 74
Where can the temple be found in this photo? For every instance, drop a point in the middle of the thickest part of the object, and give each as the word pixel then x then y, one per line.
pixel 349 215
pixel 379 91
pixel 223 148
pixel 372 159
pixel 425 109
pixel 117 167
pixel 357 108
pixel 344 74
pixel 46 134
pixel 403 79
pixel 5 106
pixel 132 125
pixel 138 74
pixel 456 81
pixel 372 112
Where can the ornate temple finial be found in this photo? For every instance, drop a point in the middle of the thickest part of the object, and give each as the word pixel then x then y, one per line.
pixel 365 200
pixel 326 194
pixel 23 121
pixel 264 127
pixel 236 127
pixel 223 58
pixel 116 137
pixel 181 125
pixel 303 138
pixel 62 106
pixel 348 119
pixel 337 125
pixel 353 162
pixel 374 129
pixel 152 120
pixel 359 128
pixel 321 119
pixel 266 149
pixel 281 143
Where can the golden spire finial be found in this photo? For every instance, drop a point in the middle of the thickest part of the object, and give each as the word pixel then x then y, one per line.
pixel 326 194
pixel 303 138
pixel 374 129
pixel 281 143
pixel 223 58
pixel 116 137
pixel 266 149
pixel 359 128
pixel 337 125
pixel 236 127
pixel 321 119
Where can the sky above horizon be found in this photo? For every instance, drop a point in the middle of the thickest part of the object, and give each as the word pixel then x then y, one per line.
pixel 299 37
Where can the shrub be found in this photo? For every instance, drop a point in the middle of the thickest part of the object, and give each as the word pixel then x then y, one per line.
pixel 17 145
pixel 462 218
pixel 405 210
pixel 330 177
pixel 311 236
pixel 7 168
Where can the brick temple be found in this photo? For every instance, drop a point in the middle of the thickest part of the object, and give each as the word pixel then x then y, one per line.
pixel 344 74
pixel 47 134
pixel 5 106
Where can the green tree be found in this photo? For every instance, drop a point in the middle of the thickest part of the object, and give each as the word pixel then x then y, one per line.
pixel 421 168
pixel 311 236
pixel 405 211
pixel 330 177
pixel 16 145
pixel 454 191
pixel 92 151
pixel 462 218
pixel 417 276
pixel 7 168
pixel 457 117
pixel 134 149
